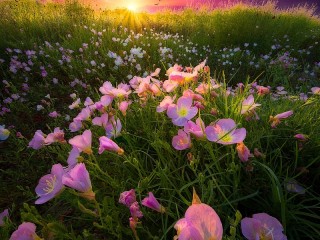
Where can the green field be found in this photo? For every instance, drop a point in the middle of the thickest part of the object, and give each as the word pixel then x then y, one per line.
pixel 68 66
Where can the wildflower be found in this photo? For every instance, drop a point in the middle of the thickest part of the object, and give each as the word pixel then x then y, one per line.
pixel 128 197
pixel 196 129
pixel 101 121
pixel 262 226
pixel 165 103
pixel 56 136
pixel 25 231
pixel 39 107
pixel 38 140
pixel 315 90
pixel 82 142
pixel 301 137
pixel 248 106
pixel 182 112
pixel 50 185
pixel 200 222
pixel 76 125
pixel 276 119
pixel 73 157
pixel 54 114
pixel 243 152
pixel 261 90
pixel 79 179
pixel 108 144
pixel 4 214
pixel 75 104
pixel 181 141
pixel 135 210
pixel 169 85
pixel 113 128
pixel 123 106
pixel 257 153
pixel 293 186
pixel 4 133
pixel 224 132
pixel 152 202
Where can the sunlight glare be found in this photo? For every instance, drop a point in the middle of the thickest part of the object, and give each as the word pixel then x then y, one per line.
pixel 132 7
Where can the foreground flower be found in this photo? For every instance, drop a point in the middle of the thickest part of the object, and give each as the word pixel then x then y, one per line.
pixel 152 202
pixel 262 227
pixel 224 132
pixel 78 178
pixel 26 231
pixel 276 119
pixel 82 142
pixel 4 133
pixel 4 214
pixel 109 145
pixel 128 198
pixel 38 140
pixel 200 222
pixel 50 185
pixel 181 141
pixel 182 112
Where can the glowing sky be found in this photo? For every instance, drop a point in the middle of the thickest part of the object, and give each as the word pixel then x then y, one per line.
pixel 162 3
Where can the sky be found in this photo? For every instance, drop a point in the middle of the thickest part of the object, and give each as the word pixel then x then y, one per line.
pixel 154 4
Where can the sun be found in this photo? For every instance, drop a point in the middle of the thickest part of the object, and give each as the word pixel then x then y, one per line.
pixel 132 7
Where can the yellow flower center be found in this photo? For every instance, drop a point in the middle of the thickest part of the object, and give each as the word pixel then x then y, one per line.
pixel 182 112
pixel 225 137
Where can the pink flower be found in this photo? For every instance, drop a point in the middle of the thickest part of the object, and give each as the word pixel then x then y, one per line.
pixel 248 105
pixel 101 121
pixel 261 90
pixel 262 226
pixel 301 137
pixel 38 140
pixel 56 136
pixel 182 141
pixel 78 178
pixel 76 125
pixel 276 119
pixel 135 210
pixel 165 103
pixel 182 112
pixel 50 185
pixel 196 129
pixel 3 215
pixel 152 202
pixel 75 104
pixel 109 145
pixel 315 90
pixel 82 142
pixel 243 152
pixel 200 222
pixel 224 132
pixel 73 157
pixel 169 85
pixel 54 114
pixel 25 231
pixel 128 197
pixel 123 106
pixel 113 128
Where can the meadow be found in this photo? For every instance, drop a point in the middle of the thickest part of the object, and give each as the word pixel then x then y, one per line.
pixel 194 124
